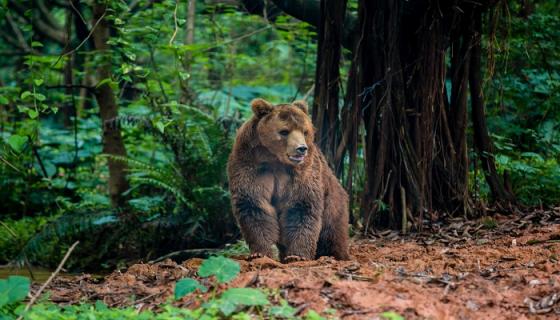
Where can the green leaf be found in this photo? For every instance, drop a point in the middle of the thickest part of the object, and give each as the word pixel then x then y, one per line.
pixel 226 307
pixel 40 97
pixel 391 315
pixel 38 82
pixel 186 286
pixel 313 315
pixel 13 289
pixel 184 75
pixel 245 296
pixel 102 82
pixel 284 310
pixel 4 100
pixel 17 142
pixel 223 268
pixel 36 44
pixel 32 113
pixel 25 94
pixel 160 126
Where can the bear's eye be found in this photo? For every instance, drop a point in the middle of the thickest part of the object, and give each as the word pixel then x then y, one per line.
pixel 283 133
pixel 305 133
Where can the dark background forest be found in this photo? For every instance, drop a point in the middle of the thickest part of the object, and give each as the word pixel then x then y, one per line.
pixel 117 117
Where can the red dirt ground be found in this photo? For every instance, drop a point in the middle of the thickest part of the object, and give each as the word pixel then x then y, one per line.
pixel 465 270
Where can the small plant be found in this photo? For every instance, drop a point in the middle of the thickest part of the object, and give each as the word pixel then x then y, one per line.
pixel 12 291
pixel 489 223
pixel 391 315
pixel 233 303
pixel 223 270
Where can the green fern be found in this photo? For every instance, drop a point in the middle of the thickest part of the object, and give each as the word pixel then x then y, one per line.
pixel 68 226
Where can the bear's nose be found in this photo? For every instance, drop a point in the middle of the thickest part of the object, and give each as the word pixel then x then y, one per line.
pixel 301 149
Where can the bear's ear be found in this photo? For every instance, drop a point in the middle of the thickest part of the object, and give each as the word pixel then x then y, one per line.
pixel 301 104
pixel 261 107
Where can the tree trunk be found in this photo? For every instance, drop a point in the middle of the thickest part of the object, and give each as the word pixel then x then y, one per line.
pixel 108 109
pixel 187 96
pixel 482 141
pixel 327 77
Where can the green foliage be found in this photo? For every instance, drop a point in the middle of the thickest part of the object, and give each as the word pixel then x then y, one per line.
pixel 186 286
pixel 391 315
pixel 236 249
pixel 245 297
pixel 14 234
pixel 12 290
pixel 223 269
pixel 523 97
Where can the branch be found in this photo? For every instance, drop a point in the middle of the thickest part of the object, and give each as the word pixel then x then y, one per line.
pixel 310 11
pixel 51 20
pixel 38 293
pixel 70 86
pixel 21 40
pixel 38 24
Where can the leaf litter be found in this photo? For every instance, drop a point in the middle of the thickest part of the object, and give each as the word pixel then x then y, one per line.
pixel 507 268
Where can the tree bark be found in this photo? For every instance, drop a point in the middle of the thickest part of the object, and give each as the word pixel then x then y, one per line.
pixel 108 109
pixel 327 77
pixel 482 141
pixel 187 96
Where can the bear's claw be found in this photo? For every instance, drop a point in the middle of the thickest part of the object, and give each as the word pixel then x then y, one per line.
pixel 255 255
pixel 290 259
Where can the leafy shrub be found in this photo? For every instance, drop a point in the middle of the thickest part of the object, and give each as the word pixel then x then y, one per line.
pixel 233 303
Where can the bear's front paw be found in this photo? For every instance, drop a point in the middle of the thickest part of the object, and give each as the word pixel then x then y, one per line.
pixel 290 259
pixel 255 255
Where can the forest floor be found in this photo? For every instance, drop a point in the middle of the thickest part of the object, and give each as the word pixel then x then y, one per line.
pixel 504 268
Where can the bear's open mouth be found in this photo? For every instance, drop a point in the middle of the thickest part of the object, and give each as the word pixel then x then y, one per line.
pixel 297 159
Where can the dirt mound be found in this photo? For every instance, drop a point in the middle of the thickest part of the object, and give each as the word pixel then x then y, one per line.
pixel 506 268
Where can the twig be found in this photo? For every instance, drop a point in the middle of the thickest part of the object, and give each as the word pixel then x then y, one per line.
pixel 77 12
pixel 308 93
pixel 10 165
pixel 36 154
pixel 10 231
pixel 403 209
pixel 83 41
pixel 176 24
pixel 38 293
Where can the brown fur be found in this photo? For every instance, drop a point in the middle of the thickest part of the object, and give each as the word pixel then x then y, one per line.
pixel 300 207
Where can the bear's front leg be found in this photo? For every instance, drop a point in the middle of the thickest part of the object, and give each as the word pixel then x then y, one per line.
pixel 300 227
pixel 258 223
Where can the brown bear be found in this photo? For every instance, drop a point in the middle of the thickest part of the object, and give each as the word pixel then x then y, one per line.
pixel 282 189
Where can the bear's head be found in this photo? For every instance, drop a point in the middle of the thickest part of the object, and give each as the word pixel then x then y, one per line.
pixel 285 130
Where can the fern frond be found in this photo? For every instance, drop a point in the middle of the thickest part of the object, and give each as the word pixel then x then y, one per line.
pixel 175 190
pixel 136 166
pixel 66 227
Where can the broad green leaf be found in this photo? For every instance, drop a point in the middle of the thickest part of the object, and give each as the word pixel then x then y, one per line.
pixel 32 113
pixel 160 126
pixel 36 44
pixel 13 289
pixel 245 296
pixel 25 94
pixel 4 100
pixel 17 142
pixel 38 82
pixel 284 310
pixel 223 268
pixel 186 286
pixel 226 307
pixel 391 315
pixel 104 81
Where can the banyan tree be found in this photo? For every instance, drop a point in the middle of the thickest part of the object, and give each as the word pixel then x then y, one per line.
pixel 414 86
